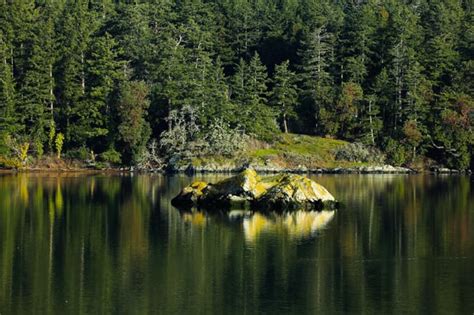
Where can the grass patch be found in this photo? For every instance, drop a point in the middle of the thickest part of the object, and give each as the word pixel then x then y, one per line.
pixel 293 150
pixel 287 151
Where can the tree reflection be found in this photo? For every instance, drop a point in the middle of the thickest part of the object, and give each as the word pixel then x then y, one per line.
pixel 107 244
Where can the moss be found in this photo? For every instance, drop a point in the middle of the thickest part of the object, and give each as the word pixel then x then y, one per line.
pixel 279 191
pixel 287 150
pixel 292 150
pixel 198 187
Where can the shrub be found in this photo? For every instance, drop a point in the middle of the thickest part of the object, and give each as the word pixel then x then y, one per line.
pixel 39 148
pixel 150 158
pixel 396 153
pixel 111 156
pixel 81 153
pixel 18 148
pixel 9 162
pixel 357 152
pixel 223 140
pixel 51 135
pixel 59 144
pixel 181 137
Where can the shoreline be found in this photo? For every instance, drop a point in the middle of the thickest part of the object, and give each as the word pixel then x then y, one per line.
pixel 190 170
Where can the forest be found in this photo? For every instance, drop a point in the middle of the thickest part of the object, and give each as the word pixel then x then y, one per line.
pixel 143 82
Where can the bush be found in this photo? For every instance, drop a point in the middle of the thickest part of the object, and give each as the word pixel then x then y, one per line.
pixel 81 153
pixel 357 152
pixel 18 148
pixel 111 156
pixel 396 153
pixel 150 157
pixel 223 140
pixel 59 144
pixel 9 162
pixel 181 138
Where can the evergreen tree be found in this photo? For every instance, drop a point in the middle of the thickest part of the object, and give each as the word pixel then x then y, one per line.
pixel 250 93
pixel 102 72
pixel 75 29
pixel 317 81
pixel 284 93
pixel 8 119
pixel 36 96
pixel 134 131
pixel 392 74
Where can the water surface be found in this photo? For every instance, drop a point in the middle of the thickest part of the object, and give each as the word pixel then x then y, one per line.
pixel 114 244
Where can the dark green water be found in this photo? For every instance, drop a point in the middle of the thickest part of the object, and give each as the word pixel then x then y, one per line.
pixel 111 244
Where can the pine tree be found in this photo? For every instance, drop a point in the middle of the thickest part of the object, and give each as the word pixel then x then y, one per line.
pixel 357 41
pixel 134 131
pixel 76 27
pixel 284 93
pixel 250 94
pixel 317 81
pixel 36 96
pixel 8 119
pixel 103 71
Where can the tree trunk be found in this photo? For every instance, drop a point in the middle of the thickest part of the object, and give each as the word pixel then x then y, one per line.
pixel 285 125
pixel 51 95
pixel 83 79
pixel 371 124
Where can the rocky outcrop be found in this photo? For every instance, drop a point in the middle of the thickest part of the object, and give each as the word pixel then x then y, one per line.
pixel 247 189
pixel 234 167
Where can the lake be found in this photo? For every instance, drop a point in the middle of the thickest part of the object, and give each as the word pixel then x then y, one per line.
pixel 114 244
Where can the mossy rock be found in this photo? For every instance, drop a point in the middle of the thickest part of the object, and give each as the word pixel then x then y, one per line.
pixel 190 195
pixel 248 189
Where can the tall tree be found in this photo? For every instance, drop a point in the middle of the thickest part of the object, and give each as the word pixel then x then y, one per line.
pixel 134 131
pixel 284 93
pixel 250 93
pixel 76 26
pixel 317 82
pixel 103 71
pixel 8 119
pixel 36 96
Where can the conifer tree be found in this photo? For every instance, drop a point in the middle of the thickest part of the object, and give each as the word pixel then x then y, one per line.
pixel 284 93
pixel 36 96
pixel 8 119
pixel 103 71
pixel 316 79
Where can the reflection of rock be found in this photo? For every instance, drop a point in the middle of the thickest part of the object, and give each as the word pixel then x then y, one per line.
pixel 195 218
pixel 298 224
pixel 279 192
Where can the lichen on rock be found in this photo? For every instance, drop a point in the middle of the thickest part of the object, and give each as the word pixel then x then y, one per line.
pixel 248 189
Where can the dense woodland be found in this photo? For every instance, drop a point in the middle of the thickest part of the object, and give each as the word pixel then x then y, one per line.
pixel 135 80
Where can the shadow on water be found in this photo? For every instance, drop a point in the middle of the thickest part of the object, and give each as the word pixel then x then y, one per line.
pixel 114 244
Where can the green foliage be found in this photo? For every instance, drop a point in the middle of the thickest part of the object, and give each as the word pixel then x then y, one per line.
pixel 284 93
pixel 250 92
pixel 111 156
pixel 455 135
pixel 113 74
pixel 59 144
pixel 395 152
pixel 81 154
pixel 133 128
pixel 51 135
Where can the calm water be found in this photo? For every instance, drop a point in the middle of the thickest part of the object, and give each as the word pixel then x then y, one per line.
pixel 112 244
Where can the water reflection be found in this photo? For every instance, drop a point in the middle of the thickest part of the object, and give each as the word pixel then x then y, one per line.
pixel 111 244
pixel 296 225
